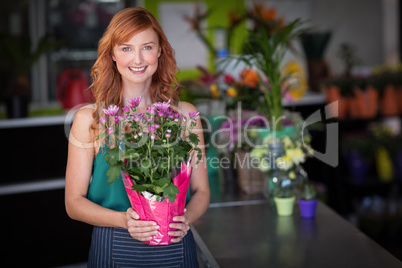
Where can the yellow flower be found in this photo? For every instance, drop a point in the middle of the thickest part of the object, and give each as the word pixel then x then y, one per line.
pixel 231 92
pixel 292 175
pixel 257 152
pixel 287 142
pixel 284 163
pixel 296 155
pixel 214 91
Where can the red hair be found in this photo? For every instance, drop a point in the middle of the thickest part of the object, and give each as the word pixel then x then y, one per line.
pixel 107 83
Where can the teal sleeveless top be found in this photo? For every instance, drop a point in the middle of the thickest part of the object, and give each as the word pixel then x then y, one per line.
pixel 111 196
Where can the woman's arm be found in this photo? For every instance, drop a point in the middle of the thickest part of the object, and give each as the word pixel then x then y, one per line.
pixel 199 185
pixel 81 152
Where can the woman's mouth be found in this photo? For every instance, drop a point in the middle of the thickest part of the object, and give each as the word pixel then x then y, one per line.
pixel 139 69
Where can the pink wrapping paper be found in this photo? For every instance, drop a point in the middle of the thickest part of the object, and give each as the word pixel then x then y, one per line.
pixel 160 212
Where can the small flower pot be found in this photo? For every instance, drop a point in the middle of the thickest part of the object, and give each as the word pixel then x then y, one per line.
pixel 284 206
pixel 307 208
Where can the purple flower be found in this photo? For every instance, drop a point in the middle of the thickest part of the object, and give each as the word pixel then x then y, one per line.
pixel 162 106
pixel 168 130
pixel 151 110
pixel 161 113
pixel 153 136
pixel 135 101
pixel 152 128
pixel 112 110
pixel 116 119
pixel 184 118
pixel 110 130
pixel 167 135
pixel 103 119
pixel 193 114
pixel 177 114
pixel 126 109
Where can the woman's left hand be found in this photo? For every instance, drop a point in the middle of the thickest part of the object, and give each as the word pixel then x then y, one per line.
pixel 182 225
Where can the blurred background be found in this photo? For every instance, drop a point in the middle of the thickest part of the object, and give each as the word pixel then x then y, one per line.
pixel 351 54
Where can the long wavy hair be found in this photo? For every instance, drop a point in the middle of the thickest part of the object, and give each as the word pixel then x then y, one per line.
pixel 107 82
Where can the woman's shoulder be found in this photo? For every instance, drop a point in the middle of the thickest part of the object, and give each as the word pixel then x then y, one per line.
pixel 186 107
pixel 85 113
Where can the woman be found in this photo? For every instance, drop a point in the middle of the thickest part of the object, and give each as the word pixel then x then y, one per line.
pixel 134 59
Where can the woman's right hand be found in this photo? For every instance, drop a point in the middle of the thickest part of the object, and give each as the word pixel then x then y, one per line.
pixel 138 229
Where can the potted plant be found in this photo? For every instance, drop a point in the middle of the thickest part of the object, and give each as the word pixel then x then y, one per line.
pixel 284 197
pixel 19 56
pixel 153 159
pixel 265 51
pixel 358 152
pixel 308 200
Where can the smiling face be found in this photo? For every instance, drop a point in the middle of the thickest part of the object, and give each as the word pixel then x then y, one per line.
pixel 137 59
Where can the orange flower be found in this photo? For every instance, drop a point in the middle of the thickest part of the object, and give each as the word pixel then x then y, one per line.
pixel 249 78
pixel 269 14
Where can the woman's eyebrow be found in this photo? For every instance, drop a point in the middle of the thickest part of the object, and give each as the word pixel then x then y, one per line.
pixel 150 42
pixel 147 43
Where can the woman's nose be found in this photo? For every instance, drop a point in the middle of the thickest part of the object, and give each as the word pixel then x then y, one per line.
pixel 137 57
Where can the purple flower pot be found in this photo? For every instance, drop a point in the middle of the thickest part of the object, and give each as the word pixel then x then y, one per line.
pixel 358 168
pixel 307 208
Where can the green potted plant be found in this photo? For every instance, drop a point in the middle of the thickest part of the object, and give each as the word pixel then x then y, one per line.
pixel 308 200
pixel 265 51
pixel 284 196
pixel 19 56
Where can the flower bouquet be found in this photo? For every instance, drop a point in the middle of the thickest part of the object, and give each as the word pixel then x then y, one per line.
pixel 152 151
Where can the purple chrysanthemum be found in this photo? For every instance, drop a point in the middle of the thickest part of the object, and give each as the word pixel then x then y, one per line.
pixel 103 119
pixel 111 111
pixel 193 114
pixel 135 101
pixel 162 106
pixel 151 110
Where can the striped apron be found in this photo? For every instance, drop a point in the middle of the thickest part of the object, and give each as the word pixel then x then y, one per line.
pixel 114 247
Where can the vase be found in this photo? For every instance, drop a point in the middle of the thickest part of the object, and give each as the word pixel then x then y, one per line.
pixel 314 45
pixel 284 205
pixel 307 208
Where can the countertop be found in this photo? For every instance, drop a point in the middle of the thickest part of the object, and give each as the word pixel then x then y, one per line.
pixel 249 233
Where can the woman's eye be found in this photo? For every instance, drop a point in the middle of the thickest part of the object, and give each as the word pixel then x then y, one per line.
pixel 147 47
pixel 126 49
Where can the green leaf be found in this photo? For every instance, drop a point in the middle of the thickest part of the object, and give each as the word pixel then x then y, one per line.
pixel 101 135
pixel 194 138
pixel 139 188
pixel 112 156
pixel 171 191
pixel 113 173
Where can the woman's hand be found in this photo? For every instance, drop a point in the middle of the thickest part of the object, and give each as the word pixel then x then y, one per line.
pixel 182 225
pixel 140 230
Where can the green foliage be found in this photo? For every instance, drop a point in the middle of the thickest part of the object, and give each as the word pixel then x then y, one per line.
pixel 309 192
pixel 153 149
pixel 265 51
